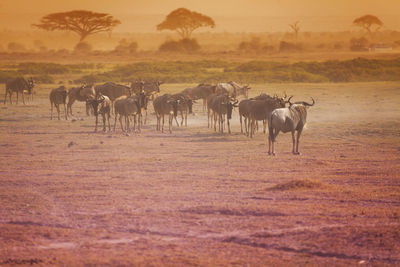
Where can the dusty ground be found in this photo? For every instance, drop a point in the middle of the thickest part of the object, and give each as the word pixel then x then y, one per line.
pixel 73 197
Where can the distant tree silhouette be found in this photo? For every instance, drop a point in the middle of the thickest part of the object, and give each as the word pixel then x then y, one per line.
pixel 296 28
pixel 367 21
pixel 81 22
pixel 184 22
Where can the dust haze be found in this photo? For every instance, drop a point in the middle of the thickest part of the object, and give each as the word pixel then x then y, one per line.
pixel 236 21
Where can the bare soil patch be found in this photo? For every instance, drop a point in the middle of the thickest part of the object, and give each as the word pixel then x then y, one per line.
pixel 73 197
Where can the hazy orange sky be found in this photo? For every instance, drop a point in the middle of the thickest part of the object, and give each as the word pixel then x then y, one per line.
pixel 224 12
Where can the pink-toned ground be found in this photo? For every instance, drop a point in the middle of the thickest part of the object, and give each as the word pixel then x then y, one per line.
pixel 72 197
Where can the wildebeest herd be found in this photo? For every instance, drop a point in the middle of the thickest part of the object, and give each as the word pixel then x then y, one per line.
pixel 129 103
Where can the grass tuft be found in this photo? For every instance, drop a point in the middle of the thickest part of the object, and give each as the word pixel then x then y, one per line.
pixel 296 185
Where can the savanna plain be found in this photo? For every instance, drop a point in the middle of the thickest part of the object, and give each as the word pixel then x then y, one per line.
pixel 73 197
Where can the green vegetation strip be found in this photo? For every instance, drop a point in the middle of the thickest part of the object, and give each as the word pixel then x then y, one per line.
pixel 355 70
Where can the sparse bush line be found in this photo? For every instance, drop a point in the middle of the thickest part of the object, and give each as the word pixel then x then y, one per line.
pixel 355 70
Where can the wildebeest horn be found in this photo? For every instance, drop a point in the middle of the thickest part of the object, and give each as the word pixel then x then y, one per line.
pixel 290 103
pixel 313 102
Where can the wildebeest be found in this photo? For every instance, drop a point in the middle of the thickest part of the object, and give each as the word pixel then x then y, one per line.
pixel 260 110
pixel 58 96
pixel 290 119
pixel 232 89
pixel 113 91
pixel 127 107
pixel 222 105
pixel 150 88
pixel 101 104
pixel 82 94
pixel 244 110
pixel 210 114
pixel 201 91
pixel 184 107
pixel 165 105
pixel 18 85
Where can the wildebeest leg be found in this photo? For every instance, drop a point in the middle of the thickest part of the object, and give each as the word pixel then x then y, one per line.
pixel 170 121
pixel 158 122
pixel 246 130
pixel 104 121
pixel 248 126
pixel 264 126
pixel 71 100
pixel 186 113
pixel 65 112
pixel 127 122
pixel 120 122
pixel 162 127
pixel 95 128
pixel 251 127
pixel 176 120
pixel 108 118
pixel 182 118
pixel 215 121
pixel 208 119
pixel 272 142
pixel 241 127
pixel 269 145
pixel 221 123
pixel 229 126
pixel 294 141
pixel 51 110
pixel 23 98
pixel 58 110
pixel 115 119
pixel 87 109
pixel 297 142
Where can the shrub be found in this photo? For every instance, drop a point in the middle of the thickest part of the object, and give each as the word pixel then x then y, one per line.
pixel 42 68
pixel 16 47
pixel 43 79
pixel 126 47
pixel 338 46
pixel 290 47
pixel 359 44
pixel 82 47
pixel 255 45
pixel 185 45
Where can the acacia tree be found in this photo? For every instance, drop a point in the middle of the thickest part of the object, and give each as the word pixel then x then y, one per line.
pixel 184 22
pixel 296 28
pixel 81 22
pixel 367 21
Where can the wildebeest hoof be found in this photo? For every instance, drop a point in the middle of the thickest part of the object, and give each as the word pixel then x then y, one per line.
pixel 127 134
pixel 296 153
